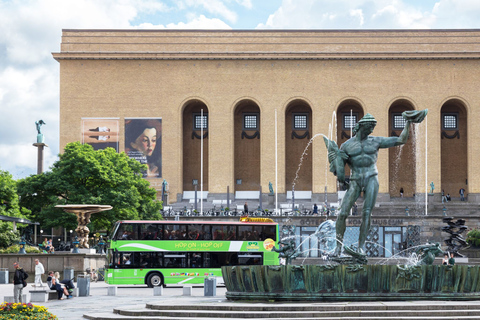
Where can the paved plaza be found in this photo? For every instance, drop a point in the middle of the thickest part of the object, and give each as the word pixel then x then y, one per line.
pixel 100 302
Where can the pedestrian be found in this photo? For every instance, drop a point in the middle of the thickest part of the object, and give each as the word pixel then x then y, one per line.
pixel 315 208
pixel 448 197
pixel 401 192
pixel 444 198
pixel 55 285
pixel 18 282
pixel 462 194
pixel 445 259
pixel 39 271
pixel 451 261
pixel 245 208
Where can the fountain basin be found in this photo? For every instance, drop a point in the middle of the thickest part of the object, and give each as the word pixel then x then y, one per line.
pixel 352 282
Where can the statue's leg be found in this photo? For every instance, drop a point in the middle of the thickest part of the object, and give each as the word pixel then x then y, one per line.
pixel 349 199
pixel 370 195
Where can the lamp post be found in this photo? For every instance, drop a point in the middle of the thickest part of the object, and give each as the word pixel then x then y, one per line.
pixel 75 245
pixel 22 246
pixel 444 211
pixel 102 245
pixel 407 211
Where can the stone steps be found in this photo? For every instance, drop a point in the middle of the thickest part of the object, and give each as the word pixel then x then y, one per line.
pixel 235 311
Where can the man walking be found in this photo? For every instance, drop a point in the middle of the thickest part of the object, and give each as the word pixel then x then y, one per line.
pixel 462 194
pixel 39 270
pixel 18 278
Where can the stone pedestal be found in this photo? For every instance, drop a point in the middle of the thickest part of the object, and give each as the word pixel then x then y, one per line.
pixel 271 199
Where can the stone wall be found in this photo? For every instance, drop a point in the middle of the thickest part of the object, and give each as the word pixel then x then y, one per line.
pixel 52 262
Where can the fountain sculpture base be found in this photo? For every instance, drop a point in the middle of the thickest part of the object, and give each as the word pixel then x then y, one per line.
pixel 352 282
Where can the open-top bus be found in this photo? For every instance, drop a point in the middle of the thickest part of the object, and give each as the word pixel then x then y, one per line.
pixel 185 252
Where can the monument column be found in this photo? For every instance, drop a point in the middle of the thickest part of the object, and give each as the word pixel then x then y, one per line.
pixel 40 146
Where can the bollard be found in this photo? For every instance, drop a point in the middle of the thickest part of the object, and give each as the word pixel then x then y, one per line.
pixel 4 275
pixel 83 284
pixel 68 273
pixel 210 287
pixel 112 291
pixel 158 291
pixel 187 290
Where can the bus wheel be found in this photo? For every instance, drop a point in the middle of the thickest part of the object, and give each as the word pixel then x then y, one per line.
pixel 154 280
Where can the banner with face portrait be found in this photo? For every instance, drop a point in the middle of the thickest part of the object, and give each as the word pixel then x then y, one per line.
pixel 100 133
pixel 143 142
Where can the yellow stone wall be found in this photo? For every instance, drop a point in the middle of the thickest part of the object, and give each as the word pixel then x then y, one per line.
pixel 122 74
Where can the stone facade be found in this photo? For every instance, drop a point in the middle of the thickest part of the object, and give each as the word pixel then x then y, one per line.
pixel 172 74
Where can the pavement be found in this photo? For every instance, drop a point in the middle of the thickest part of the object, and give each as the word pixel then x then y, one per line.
pixel 99 302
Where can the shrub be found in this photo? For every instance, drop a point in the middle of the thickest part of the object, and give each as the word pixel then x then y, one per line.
pixel 473 237
pixel 19 311
pixel 15 248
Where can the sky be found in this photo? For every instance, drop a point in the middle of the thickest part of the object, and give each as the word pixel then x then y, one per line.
pixel 30 30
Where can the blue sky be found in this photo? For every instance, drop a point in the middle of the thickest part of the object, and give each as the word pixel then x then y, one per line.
pixel 31 31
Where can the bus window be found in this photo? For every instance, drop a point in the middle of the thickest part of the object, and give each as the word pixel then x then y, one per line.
pixel 245 233
pixel 151 232
pixel 195 260
pixel 179 232
pixel 173 260
pixel 150 259
pixel 195 232
pixel 124 260
pixel 207 232
pixel 269 232
pixel 110 257
pixel 231 233
pixel 219 232
pixel 168 232
pixel 256 234
pixel 127 231
pixel 250 258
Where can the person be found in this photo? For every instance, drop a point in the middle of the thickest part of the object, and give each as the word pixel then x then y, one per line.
pixel 50 246
pixel 55 285
pixel 19 278
pixel 401 192
pixel 451 261
pixel 245 208
pixel 315 208
pixel 462 194
pixel 140 144
pixel 100 129
pixel 39 271
pixel 127 260
pixel 45 245
pixel 445 259
pixel 444 198
pixel 360 153
pixel 448 197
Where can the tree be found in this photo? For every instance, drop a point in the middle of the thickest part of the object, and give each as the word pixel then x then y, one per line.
pixel 9 206
pixel 85 176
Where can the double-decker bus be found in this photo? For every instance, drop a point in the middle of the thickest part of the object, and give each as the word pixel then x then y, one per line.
pixel 185 252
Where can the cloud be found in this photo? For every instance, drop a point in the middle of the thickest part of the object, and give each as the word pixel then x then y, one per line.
pixel 349 14
pixel 216 7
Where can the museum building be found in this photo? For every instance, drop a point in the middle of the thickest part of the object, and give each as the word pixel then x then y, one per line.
pixel 251 102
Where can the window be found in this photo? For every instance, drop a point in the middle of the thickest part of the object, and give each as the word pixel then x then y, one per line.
pixel 450 121
pixel 197 121
pixel 398 122
pixel 250 121
pixel 349 120
pixel 300 121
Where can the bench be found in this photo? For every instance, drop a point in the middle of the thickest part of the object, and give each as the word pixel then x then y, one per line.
pixel 300 195
pixel 10 299
pixel 246 195
pixel 43 295
pixel 190 195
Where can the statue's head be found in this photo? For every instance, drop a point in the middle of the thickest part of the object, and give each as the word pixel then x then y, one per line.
pixel 367 120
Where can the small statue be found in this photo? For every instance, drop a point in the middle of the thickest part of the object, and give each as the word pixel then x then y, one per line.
pixel 428 252
pixel 39 124
pixel 286 246
pixel 39 135
pixel 432 187
pixel 270 187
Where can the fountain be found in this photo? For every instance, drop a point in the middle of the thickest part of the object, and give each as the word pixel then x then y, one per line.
pixel 347 276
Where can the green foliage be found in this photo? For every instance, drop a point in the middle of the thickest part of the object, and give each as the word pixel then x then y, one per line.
pixel 85 176
pixel 9 204
pixel 473 237
pixel 7 235
pixel 15 248
pixel 19 311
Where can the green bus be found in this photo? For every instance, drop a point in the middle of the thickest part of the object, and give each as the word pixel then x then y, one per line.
pixel 159 253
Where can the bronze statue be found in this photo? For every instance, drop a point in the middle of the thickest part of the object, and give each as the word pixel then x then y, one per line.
pixel 360 153
pixel 270 188
pixel 38 124
pixel 427 253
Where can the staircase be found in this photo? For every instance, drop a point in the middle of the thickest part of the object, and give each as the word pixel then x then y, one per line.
pixel 223 309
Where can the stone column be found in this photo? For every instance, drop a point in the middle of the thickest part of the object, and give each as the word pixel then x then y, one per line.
pixel 40 147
